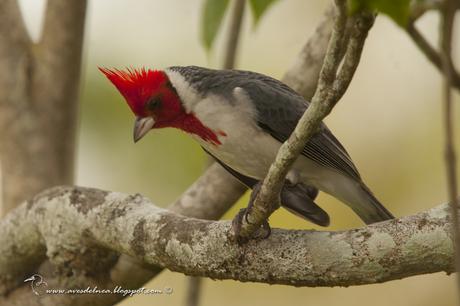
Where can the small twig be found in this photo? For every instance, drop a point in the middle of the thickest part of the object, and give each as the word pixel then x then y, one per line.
pixel 419 8
pixel 234 34
pixel 432 54
pixel 330 89
pixel 446 30
pixel 353 54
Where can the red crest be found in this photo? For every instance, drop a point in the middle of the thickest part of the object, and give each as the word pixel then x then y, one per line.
pixel 136 85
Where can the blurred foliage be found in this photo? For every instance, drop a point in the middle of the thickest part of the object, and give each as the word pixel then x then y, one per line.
pixel 259 7
pixel 398 10
pixel 213 13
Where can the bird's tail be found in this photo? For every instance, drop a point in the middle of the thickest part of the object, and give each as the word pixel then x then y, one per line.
pixel 367 207
pixel 299 199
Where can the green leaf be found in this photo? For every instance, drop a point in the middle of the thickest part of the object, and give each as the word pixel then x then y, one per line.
pixel 259 7
pixel 398 10
pixel 213 13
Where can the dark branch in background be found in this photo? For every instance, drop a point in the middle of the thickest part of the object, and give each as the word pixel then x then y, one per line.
pixel 193 292
pixel 82 229
pixel 435 57
pixel 38 99
pixel 331 87
pixel 448 11
pixel 233 34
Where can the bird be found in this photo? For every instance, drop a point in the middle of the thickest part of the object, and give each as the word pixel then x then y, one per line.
pixel 241 118
pixel 36 281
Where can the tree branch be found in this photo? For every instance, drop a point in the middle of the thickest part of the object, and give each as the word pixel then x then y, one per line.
pixel 330 89
pixel 13 33
pixel 446 29
pixel 38 99
pixel 432 54
pixel 209 197
pixel 192 297
pixel 63 32
pixel 233 34
pixel 67 220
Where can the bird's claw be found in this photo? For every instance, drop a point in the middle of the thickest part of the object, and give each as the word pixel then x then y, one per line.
pixel 237 223
pixel 243 214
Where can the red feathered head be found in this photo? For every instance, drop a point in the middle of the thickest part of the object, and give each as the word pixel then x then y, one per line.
pixel 138 86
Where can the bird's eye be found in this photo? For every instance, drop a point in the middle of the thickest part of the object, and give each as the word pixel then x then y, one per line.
pixel 154 103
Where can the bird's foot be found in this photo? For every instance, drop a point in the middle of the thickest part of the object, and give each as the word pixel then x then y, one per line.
pixel 262 233
pixel 242 216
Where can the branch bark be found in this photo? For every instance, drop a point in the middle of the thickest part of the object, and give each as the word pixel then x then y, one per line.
pixel 66 220
pixel 331 87
pixel 209 197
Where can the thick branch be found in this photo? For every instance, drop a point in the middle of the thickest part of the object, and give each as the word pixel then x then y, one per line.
pixel 330 89
pixel 62 38
pixel 209 197
pixel 13 33
pixel 68 220
pixel 38 99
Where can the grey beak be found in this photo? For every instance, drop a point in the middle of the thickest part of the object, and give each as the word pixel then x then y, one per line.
pixel 141 126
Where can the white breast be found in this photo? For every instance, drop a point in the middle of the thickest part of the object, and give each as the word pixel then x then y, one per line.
pixel 245 147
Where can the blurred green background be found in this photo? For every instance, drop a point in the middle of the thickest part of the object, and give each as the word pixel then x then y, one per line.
pixel 389 120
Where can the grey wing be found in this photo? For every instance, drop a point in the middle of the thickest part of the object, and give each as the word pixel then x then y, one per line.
pixel 279 108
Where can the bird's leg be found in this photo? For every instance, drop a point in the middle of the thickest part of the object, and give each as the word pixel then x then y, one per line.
pixel 242 216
